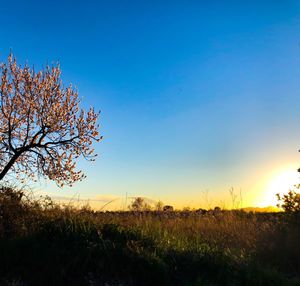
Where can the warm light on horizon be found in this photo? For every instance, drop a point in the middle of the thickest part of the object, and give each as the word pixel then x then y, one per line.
pixel 280 181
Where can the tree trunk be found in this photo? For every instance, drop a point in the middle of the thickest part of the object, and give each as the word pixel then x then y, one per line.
pixel 9 164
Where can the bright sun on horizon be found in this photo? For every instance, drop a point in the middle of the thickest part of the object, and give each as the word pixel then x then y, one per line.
pixel 280 181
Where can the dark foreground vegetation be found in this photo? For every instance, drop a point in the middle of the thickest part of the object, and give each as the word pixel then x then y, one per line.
pixel 42 243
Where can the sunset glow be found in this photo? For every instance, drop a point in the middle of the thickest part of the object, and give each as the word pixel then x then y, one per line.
pixel 279 182
pixel 193 97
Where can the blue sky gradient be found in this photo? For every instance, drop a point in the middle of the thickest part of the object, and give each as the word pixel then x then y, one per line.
pixel 194 96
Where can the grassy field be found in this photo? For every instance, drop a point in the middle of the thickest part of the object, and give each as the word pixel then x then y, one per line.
pixel 42 243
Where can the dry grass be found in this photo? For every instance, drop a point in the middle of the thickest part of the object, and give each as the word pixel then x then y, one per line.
pixel 142 248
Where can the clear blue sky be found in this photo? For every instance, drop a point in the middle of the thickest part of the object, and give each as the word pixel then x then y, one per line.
pixel 194 96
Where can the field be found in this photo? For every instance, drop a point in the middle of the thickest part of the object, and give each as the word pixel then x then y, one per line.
pixel 42 243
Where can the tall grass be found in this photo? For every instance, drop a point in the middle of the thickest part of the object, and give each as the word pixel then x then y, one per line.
pixel 42 243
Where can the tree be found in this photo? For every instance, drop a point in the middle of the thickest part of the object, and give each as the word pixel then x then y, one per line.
pixel 159 206
pixel 42 129
pixel 291 201
pixel 139 204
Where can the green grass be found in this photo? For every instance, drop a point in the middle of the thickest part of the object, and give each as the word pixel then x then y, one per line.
pixel 44 244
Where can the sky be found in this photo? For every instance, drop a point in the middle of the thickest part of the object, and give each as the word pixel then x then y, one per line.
pixel 196 98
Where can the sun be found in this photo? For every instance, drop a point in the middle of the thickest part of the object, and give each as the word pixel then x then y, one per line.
pixel 279 182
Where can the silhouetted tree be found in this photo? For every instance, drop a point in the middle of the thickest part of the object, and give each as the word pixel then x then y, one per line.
pixel 42 129
pixel 139 204
pixel 159 206
pixel 290 201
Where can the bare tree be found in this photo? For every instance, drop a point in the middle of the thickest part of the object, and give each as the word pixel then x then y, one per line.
pixel 42 129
